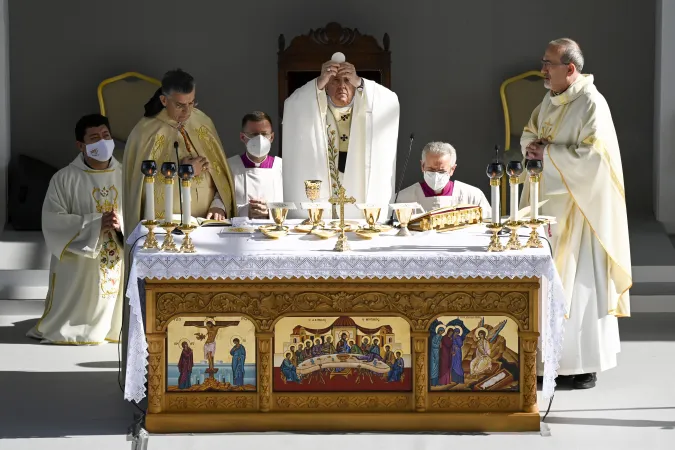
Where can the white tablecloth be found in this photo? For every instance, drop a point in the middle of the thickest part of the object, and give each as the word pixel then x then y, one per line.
pixel 456 254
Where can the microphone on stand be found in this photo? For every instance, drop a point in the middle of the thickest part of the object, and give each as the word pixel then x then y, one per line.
pixel 390 222
pixel 180 195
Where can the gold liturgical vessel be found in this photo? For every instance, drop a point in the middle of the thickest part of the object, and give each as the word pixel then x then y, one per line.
pixel 149 169
pixel 404 215
pixel 313 191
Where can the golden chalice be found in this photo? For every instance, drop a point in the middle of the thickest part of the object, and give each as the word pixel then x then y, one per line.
pixel 313 191
pixel 404 215
pixel 279 217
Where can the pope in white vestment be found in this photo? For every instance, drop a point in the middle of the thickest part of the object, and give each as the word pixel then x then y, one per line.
pixel 572 132
pixel 82 223
pixel 437 190
pixel 341 129
pixel 257 175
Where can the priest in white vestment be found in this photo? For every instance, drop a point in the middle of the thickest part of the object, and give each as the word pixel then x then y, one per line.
pixel 341 129
pixel 257 175
pixel 82 223
pixel 572 132
pixel 437 189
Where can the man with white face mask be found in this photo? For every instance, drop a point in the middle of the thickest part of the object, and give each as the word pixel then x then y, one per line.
pixel 439 161
pixel 257 175
pixel 82 225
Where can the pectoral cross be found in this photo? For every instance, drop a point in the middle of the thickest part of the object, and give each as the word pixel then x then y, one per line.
pixel 340 200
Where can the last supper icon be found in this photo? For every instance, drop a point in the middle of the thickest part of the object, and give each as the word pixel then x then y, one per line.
pixel 211 354
pixel 315 354
pixel 473 354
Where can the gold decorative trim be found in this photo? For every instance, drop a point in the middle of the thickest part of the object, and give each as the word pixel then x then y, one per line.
pixel 267 302
pixel 343 401
pixel 195 401
pixel 470 401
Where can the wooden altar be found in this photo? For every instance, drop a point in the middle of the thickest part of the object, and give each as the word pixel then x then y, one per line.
pixel 289 392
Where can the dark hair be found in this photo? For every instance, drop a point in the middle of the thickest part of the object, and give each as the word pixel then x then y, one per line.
pixel 89 121
pixel 255 116
pixel 174 81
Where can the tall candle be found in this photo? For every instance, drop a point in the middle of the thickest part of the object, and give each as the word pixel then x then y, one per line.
pixel 168 199
pixel 514 199
pixel 534 197
pixel 150 198
pixel 185 193
pixel 494 192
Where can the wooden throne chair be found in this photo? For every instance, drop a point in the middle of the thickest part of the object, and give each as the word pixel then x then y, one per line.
pixel 301 61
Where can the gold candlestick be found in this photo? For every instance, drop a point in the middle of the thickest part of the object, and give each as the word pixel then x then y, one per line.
pixel 342 244
pixel 534 241
pixel 495 244
pixel 169 245
pixel 514 242
pixel 187 246
pixel 150 239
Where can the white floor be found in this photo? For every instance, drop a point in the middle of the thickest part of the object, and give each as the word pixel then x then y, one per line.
pixel 69 398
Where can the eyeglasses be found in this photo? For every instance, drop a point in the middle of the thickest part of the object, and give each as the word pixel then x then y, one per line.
pixel 183 106
pixel 547 64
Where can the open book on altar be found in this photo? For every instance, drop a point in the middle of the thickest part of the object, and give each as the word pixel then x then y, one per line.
pixel 202 222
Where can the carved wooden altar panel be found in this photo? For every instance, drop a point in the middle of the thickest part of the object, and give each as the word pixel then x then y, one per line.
pixel 390 335
pixel 301 61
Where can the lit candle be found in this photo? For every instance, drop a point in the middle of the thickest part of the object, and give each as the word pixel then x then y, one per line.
pixel 149 169
pixel 495 171
pixel 168 170
pixel 185 173
pixel 534 167
pixel 514 169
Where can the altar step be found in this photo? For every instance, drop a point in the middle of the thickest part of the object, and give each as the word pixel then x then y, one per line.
pixel 24 266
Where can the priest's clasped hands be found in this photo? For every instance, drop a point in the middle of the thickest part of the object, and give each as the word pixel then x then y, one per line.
pixel 111 221
pixel 535 149
pixel 257 209
pixel 332 69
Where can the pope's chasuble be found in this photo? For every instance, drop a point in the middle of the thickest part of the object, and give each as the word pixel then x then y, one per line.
pixel 260 181
pixel 583 183
pixel 153 138
pixel 86 276
pixel 454 193
pixel 353 147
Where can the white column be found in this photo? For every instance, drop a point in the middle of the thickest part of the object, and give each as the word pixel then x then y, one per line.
pixel 5 142
pixel 664 115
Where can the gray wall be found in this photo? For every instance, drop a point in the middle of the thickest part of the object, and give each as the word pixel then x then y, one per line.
pixel 664 116
pixel 449 59
pixel 5 152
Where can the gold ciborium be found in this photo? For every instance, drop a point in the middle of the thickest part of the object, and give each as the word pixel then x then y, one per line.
pixel 313 191
pixel 279 217
pixel 404 215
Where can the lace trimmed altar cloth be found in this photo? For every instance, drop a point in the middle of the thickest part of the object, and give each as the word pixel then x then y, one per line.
pixel 223 254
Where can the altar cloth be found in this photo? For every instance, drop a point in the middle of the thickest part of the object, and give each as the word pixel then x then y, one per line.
pixel 224 254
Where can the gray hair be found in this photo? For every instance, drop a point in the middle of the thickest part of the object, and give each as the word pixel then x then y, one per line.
pixel 440 148
pixel 571 52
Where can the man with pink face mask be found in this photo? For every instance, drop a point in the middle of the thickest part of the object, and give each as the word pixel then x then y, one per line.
pixel 341 129
pixel 257 175
pixel 438 190
pixel 82 225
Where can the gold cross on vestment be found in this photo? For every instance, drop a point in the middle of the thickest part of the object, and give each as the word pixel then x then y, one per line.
pixel 340 201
